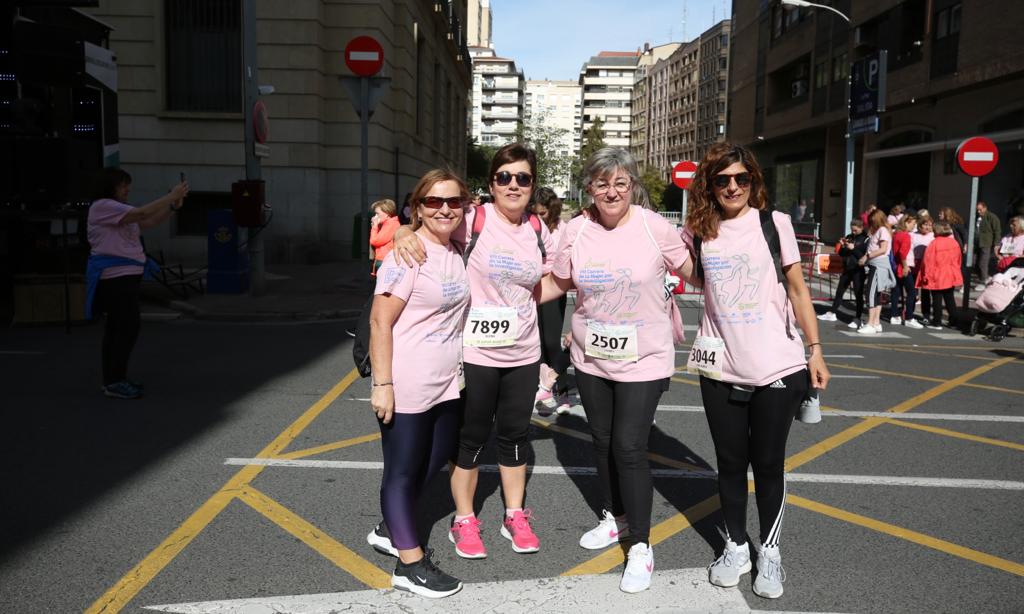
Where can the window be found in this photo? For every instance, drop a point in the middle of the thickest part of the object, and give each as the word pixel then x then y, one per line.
pixel 820 75
pixel 840 68
pixel 948 22
pixel 204 55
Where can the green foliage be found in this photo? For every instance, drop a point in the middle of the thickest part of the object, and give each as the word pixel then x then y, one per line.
pixel 655 184
pixel 546 141
pixel 593 140
pixel 478 162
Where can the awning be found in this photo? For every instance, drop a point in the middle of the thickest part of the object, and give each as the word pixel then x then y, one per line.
pixel 997 137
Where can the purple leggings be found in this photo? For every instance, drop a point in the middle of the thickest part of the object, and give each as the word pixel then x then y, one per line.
pixel 416 447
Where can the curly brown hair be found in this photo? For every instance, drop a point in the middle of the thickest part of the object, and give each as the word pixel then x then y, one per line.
pixel 704 214
pixel 427 182
pixel 947 214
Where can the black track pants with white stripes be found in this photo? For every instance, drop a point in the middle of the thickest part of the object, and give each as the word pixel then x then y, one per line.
pixel 753 434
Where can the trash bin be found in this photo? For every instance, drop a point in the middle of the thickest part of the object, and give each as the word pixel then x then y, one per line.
pixel 227 265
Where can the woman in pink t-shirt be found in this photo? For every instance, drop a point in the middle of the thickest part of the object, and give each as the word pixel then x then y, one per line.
pixel 750 358
pixel 881 277
pixel 616 256
pixel 116 264
pixel 418 311
pixel 552 391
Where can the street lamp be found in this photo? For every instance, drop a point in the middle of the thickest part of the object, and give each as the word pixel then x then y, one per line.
pixel 850 143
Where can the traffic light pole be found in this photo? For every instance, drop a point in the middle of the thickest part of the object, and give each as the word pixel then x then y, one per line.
pixel 253 167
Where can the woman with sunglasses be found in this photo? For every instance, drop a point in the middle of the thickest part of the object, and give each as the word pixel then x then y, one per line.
pixel 415 390
pixel 501 345
pixel 753 371
pixel 617 255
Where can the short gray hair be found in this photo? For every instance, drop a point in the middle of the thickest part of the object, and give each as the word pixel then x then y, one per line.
pixel 606 161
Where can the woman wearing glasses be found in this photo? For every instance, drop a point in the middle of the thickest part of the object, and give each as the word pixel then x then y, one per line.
pixel 622 342
pixel 507 252
pixel 415 391
pixel 750 358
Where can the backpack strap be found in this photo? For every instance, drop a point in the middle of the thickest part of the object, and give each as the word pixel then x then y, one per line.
pixel 479 217
pixel 771 237
pixel 535 223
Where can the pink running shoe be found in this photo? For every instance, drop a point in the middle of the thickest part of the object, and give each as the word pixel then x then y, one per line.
pixel 465 534
pixel 518 530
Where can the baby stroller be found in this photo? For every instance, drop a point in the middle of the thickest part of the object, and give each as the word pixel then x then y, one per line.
pixel 1001 303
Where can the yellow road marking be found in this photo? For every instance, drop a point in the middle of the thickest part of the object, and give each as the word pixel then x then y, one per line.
pixel 686 381
pixel 143 573
pixel 329 447
pixel 361 569
pixel 923 378
pixel 958 435
pixel 918 538
pixel 881 346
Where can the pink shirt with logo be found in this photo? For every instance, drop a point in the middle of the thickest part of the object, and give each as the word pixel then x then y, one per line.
pixel 745 305
pixel 428 333
pixel 875 240
pixel 619 276
pixel 503 269
pixel 108 237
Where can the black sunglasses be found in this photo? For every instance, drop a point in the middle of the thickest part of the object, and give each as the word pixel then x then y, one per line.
pixel 436 202
pixel 722 181
pixel 504 178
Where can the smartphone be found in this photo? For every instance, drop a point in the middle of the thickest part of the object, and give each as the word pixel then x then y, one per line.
pixel 182 177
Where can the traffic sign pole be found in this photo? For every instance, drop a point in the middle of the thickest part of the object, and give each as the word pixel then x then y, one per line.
pixel 977 157
pixel 970 242
pixel 253 168
pixel 364 164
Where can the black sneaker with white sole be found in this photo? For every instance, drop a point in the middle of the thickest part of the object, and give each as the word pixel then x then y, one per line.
pixel 424 578
pixel 380 539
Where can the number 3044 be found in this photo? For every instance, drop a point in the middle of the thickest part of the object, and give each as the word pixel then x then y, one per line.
pixel 702 356
pixel 611 343
pixel 487 327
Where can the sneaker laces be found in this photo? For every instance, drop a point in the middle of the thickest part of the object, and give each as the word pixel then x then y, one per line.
pixel 772 569
pixel 521 521
pixel 471 525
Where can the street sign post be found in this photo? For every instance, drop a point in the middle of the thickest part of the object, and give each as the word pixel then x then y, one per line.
pixel 977 157
pixel 364 56
pixel 867 99
pixel 682 175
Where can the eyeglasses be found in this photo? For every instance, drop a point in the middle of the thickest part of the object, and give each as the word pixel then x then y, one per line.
pixel 523 180
pixel 601 187
pixel 722 181
pixel 436 202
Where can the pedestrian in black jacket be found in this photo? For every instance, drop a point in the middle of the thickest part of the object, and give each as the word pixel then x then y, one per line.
pixel 852 247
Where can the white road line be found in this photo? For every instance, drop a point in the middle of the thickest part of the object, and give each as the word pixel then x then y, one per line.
pixel 842 356
pixel 878 414
pixel 883 335
pixel 956 336
pixel 814 478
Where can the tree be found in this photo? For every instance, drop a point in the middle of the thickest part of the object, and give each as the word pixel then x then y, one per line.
pixel 655 185
pixel 478 163
pixel 548 142
pixel 593 140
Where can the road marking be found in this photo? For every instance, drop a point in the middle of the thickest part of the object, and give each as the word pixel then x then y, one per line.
pixel 853 333
pixel 923 378
pixel 701 474
pixel 837 376
pixel 361 569
pixel 673 590
pixel 329 447
pixel 143 573
pixel 959 435
pixel 913 536
pixel 952 336
pixel 829 411
pixel 842 356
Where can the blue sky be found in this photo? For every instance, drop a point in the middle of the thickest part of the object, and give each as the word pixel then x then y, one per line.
pixel 551 39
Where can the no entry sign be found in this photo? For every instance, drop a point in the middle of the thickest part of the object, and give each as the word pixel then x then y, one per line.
pixel 977 156
pixel 364 56
pixel 682 173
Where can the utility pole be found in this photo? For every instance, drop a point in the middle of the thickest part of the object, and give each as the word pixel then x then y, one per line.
pixel 253 167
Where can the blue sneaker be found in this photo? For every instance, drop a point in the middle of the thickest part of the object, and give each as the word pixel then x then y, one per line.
pixel 122 390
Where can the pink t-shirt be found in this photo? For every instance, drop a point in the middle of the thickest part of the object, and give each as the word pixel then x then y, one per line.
pixel 744 303
pixel 918 243
pixel 109 238
pixel 428 333
pixel 875 240
pixel 1012 246
pixel 503 269
pixel 619 276
pixel 556 234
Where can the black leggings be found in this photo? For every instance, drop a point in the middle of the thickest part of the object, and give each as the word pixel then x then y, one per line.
pixel 550 317
pixel 501 396
pixel 938 298
pixel 752 433
pixel 620 416
pixel 416 447
pixel 904 293
pixel 118 297
pixel 855 278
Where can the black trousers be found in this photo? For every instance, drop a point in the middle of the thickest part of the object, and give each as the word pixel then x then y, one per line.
pixel 118 298
pixel 502 398
pixel 550 317
pixel 938 298
pixel 753 433
pixel 856 278
pixel 620 416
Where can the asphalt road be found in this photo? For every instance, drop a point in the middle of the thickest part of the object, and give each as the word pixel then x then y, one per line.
pixel 118 506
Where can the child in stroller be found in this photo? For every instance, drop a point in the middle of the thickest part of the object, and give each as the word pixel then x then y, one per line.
pixel 1001 302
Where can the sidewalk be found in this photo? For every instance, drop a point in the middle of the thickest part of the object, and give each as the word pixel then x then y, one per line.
pixel 330 291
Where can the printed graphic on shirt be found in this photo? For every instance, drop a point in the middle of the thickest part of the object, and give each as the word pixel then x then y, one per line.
pixel 615 293
pixel 393 276
pixel 513 278
pixel 735 284
pixel 454 295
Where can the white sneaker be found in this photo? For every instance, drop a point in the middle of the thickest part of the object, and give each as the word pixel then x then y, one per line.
pixel 979 287
pixel 607 532
pixel 868 329
pixel 855 324
pixel 726 569
pixel 770 574
pixel 828 316
pixel 810 410
pixel 913 324
pixel 639 567
pixel 895 320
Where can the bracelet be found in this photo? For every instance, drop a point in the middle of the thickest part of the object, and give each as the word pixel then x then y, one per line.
pixel 383 384
pixel 816 343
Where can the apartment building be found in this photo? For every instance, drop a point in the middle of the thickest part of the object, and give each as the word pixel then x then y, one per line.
pixel 955 70
pixel 557 105
pixel 607 82
pixel 713 86
pixel 180 103
pixel 478 23
pixel 647 111
pixel 497 98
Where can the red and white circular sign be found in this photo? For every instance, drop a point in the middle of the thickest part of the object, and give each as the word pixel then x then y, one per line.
pixel 682 173
pixel 260 121
pixel 364 56
pixel 977 156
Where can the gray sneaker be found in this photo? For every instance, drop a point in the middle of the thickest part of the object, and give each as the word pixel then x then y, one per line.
pixel 770 574
pixel 726 569
pixel 810 410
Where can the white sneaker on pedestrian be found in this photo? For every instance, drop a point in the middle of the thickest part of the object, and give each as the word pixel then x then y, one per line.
pixel 607 532
pixel 913 324
pixel 855 324
pixel 810 410
pixel 979 287
pixel 868 329
pixel 639 567
pixel 895 320
pixel 828 316
pixel 726 569
pixel 935 326
pixel 770 574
